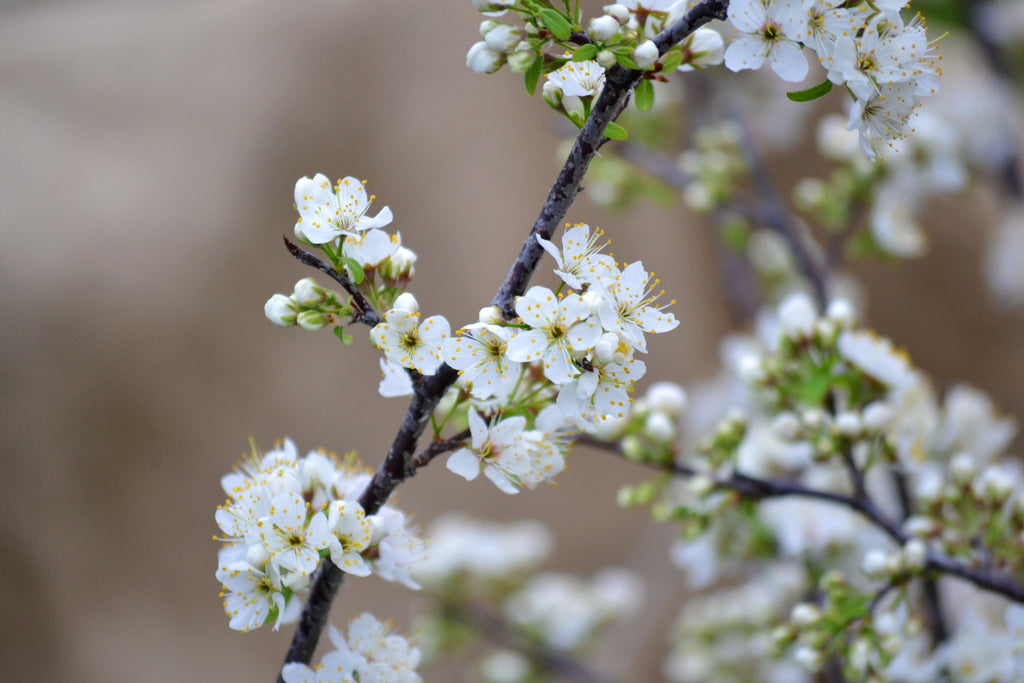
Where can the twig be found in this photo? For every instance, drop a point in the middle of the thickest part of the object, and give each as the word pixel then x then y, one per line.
pixel 363 309
pixel 398 464
pixel 436 448
pixel 762 489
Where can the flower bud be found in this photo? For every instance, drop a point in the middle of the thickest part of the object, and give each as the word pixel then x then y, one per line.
pixel 520 61
pixel 797 316
pixel 400 267
pixel 808 658
pixel 483 60
pixel 667 397
pixel 488 25
pixel 704 48
pixel 962 468
pixel 876 565
pixel 280 310
pixel 312 320
pixel 492 8
pixel 618 12
pixel 604 349
pixel 659 426
pixel 502 38
pixel 848 423
pixel 919 526
pixel 406 302
pixel 633 448
pixel 840 311
pixel 603 28
pixel 606 58
pixel 490 315
pixel 645 54
pixel 749 369
pixel 552 94
pixel 915 555
pixel 804 614
pixel 257 555
pixel 308 292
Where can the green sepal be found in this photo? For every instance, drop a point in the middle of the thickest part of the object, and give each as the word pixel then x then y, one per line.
pixel 346 339
pixel 533 74
pixel 615 131
pixel 820 90
pixel 556 23
pixel 644 95
pixel 671 61
pixel 585 52
pixel 357 270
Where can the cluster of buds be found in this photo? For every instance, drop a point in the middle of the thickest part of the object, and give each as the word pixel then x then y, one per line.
pixel 310 306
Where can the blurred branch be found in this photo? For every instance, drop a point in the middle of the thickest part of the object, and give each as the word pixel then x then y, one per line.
pixel 756 489
pixel 496 630
pixel 399 464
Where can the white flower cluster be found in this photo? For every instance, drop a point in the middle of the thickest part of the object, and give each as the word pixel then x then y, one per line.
pixel 283 514
pixel 370 654
pixel 336 216
pixel 579 345
pixel 886 63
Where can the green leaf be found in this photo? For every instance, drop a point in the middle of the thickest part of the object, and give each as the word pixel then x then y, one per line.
pixel 346 339
pixel 533 74
pixel 627 61
pixel 820 90
pixel 644 95
pixel 585 52
pixel 556 23
pixel 615 131
pixel 357 270
pixel 815 387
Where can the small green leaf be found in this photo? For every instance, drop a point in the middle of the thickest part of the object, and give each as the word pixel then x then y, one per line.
pixel 814 93
pixel 556 23
pixel 357 270
pixel 615 131
pixel 627 61
pixel 533 74
pixel 346 339
pixel 644 95
pixel 585 52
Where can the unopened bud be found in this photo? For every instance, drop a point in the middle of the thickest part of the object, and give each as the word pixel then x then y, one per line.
pixel 645 54
pixel 603 28
pixel 552 94
pixel 668 397
pixel 521 60
pixel 606 58
pixel 406 302
pixel 400 267
pixel 312 320
pixel 618 12
pixel 704 48
pixel 659 427
pixel 915 555
pixel 490 315
pixel 502 38
pixel 483 60
pixel 841 312
pixel 308 292
pixel 804 614
pixel 280 310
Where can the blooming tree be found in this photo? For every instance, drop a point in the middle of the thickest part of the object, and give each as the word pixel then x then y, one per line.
pixel 839 520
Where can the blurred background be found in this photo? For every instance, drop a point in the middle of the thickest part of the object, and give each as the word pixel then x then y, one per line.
pixel 148 153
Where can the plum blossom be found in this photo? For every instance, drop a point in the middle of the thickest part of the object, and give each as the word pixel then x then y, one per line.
pixel 478 353
pixel 495 450
pixel 558 329
pixel 325 213
pixel 761 25
pixel 626 307
pixel 409 343
pixel 579 263
pixel 579 79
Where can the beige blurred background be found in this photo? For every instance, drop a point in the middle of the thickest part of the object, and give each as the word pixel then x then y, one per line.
pixel 148 152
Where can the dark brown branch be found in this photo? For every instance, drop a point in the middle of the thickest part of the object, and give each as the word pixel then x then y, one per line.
pixel 436 448
pixel 363 310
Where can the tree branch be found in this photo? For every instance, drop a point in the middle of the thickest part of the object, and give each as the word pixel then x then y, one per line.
pixel 762 489
pixel 398 464
pixel 364 311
